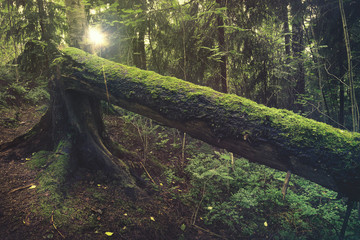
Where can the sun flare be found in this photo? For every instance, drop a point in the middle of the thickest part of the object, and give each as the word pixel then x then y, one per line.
pixel 96 36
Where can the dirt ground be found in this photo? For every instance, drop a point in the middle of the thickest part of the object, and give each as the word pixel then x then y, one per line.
pixel 17 219
pixel 95 207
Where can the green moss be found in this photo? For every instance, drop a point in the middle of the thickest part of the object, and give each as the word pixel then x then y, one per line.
pixel 229 115
pixel 299 129
pixel 39 159
pixel 52 179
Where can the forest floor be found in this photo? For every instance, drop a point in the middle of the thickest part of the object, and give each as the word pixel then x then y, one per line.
pixel 94 207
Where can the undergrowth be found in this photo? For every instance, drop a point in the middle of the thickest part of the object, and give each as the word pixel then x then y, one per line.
pixel 30 89
pixel 229 197
pixel 245 200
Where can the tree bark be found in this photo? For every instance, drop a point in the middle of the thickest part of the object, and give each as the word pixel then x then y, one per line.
pixel 76 18
pixel 297 46
pixel 222 78
pixel 276 138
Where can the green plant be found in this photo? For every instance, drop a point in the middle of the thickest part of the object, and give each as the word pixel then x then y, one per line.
pixel 242 198
pixel 37 94
pixel 39 159
pixel 145 128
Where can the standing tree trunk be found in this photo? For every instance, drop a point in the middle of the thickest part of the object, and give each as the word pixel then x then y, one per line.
pixel 285 99
pixel 297 49
pixel 15 42
pixel 76 18
pixel 354 105
pixel 139 52
pixel 221 82
pixel 341 116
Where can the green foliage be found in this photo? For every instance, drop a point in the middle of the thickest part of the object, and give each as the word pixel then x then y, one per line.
pixel 144 127
pixel 243 196
pixel 29 88
pixel 37 94
pixel 39 159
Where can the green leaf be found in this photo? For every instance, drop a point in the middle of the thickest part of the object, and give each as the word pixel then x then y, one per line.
pixel 183 227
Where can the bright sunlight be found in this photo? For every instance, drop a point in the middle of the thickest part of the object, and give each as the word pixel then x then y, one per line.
pixel 96 36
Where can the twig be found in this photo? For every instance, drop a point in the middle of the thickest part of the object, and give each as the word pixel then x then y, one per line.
pixel 197 209
pixel 183 150
pixel 148 173
pixel 286 184
pixel 232 162
pixel 208 231
pixel 21 188
pixel 53 223
pixel 334 76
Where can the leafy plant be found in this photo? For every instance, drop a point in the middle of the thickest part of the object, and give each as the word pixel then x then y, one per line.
pixel 145 128
pixel 242 198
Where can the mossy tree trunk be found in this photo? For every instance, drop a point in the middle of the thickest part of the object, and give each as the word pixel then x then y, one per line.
pixel 277 138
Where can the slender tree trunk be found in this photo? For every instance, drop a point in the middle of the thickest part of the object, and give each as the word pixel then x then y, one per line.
pixel 139 52
pixel 222 79
pixel 141 43
pixel 285 98
pixel 14 42
pixel 76 18
pixel 341 117
pixel 138 44
pixel 297 49
pixel 44 32
pixel 354 105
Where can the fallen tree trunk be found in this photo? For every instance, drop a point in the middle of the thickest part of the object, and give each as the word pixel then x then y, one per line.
pixel 276 138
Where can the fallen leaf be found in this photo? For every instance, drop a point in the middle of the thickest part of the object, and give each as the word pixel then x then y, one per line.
pixel 109 233
pixel 183 227
pixel 152 219
pixel 125 214
pixel 98 211
pixel 32 187
pixel 265 224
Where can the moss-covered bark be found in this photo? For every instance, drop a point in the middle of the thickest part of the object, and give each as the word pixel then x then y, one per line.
pixel 277 138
